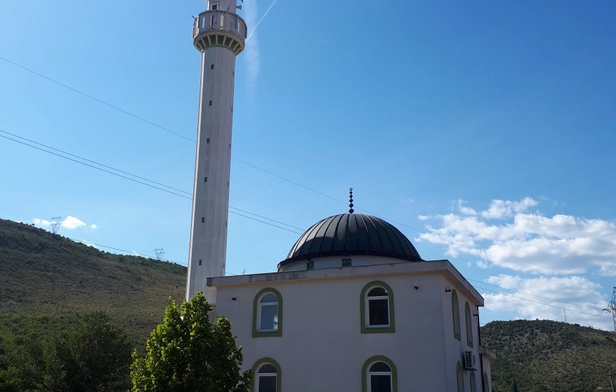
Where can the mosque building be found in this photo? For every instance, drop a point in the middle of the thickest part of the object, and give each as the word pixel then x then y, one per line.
pixel 353 307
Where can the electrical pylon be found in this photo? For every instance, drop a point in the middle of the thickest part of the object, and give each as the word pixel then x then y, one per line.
pixel 159 253
pixel 55 224
pixel 611 307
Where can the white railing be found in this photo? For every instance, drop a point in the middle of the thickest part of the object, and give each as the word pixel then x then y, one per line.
pixel 211 21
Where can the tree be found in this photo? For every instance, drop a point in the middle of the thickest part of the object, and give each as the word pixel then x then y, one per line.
pixel 91 355
pixel 188 352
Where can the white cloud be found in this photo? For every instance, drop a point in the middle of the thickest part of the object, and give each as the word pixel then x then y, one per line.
pixel 41 222
pixel 72 223
pixel 465 210
pixel 500 209
pixel 527 241
pixel 88 243
pixel 550 298
pixel 69 223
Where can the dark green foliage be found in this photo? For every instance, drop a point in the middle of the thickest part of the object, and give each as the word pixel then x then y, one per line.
pixel 188 352
pixel 92 354
pixel 549 356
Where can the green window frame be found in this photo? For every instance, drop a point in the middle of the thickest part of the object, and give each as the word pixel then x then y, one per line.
pixel 455 311
pixel 469 324
pixel 258 365
pixel 257 309
pixel 365 372
pixel 460 377
pixel 365 311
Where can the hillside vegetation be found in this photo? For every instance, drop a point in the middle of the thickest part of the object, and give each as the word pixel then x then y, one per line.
pixel 547 355
pixel 46 278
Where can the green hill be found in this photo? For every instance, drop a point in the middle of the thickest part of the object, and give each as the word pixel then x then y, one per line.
pixel 541 353
pixel 45 277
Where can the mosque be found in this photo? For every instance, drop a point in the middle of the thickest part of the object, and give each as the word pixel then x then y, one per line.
pixel 353 307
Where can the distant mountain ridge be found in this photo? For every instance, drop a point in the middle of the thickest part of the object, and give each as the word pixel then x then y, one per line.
pixel 44 276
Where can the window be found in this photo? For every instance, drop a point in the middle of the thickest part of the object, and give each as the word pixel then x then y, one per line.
pixel 267 313
pixel 460 377
pixel 347 263
pixel 486 385
pixel 377 308
pixel 213 6
pixel 266 376
pixel 379 375
pixel 469 324
pixel 473 382
pixel 455 310
pixel 310 265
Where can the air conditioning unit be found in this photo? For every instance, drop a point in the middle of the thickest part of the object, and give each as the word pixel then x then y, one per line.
pixel 469 360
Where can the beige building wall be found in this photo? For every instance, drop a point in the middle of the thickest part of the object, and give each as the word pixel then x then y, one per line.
pixel 322 347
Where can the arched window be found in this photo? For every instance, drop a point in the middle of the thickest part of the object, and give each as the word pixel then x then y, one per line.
pixel 377 308
pixel 379 375
pixel 267 377
pixel 455 310
pixel 469 324
pixel 460 377
pixel 267 313
pixel 473 382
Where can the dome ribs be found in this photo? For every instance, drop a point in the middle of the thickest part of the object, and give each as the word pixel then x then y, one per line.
pixel 352 238
pixel 390 233
pixel 364 243
pixel 330 234
pixel 375 236
pixel 317 243
pixel 352 234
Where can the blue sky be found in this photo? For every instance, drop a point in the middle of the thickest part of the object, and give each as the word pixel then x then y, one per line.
pixel 483 130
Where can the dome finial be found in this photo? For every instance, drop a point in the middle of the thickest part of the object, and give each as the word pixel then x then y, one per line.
pixel 351 210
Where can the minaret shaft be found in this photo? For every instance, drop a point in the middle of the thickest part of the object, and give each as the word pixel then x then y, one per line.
pixel 219 35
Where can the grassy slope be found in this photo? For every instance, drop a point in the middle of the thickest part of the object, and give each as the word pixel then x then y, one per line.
pixel 44 277
pixel 566 357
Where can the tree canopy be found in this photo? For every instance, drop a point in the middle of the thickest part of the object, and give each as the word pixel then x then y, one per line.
pixel 91 355
pixel 190 352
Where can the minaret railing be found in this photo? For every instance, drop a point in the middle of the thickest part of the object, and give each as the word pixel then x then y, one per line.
pixel 219 28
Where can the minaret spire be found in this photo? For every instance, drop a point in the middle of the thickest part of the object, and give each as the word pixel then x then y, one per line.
pixel 219 35
pixel 351 210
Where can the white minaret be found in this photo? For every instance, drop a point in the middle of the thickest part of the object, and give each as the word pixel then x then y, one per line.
pixel 219 35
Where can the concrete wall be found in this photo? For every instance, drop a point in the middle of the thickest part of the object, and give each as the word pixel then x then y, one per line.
pixel 208 235
pixel 322 347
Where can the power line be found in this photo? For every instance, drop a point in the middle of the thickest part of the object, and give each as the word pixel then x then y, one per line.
pixel 95 99
pixel 91 166
pixel 192 140
pixel 141 180
pixel 540 303
pixel 91 161
pixel 521 292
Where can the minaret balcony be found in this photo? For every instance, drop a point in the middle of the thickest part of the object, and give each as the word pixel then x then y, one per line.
pixel 219 28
